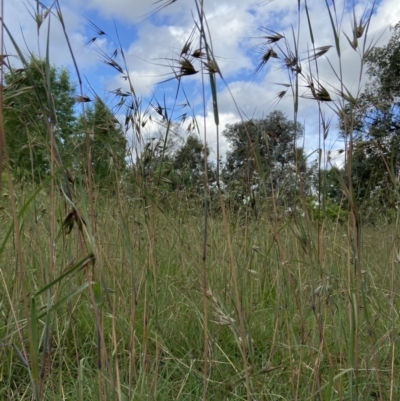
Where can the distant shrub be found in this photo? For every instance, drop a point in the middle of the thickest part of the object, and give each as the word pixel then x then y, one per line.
pixel 332 211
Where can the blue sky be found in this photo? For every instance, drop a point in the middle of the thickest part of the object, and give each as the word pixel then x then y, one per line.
pixel 152 41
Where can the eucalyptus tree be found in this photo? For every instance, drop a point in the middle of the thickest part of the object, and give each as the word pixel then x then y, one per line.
pixel 376 150
pixel 36 97
pixel 107 147
pixel 264 152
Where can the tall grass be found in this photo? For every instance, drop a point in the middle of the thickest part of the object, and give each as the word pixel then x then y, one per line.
pixel 140 295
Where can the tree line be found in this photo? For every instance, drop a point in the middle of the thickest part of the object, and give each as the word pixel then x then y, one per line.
pixel 264 156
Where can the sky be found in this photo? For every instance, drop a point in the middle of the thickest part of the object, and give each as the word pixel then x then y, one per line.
pixel 152 38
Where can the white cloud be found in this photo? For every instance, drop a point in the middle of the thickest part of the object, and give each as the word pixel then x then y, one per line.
pixel 23 29
pixel 131 11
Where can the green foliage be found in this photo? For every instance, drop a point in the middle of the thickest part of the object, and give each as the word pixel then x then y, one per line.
pixel 264 154
pixel 376 135
pixel 33 108
pixel 329 183
pixel 107 144
pixel 330 210
pixel 172 165
pixel 29 102
pixel 190 155
pixel 188 162
pixel 384 67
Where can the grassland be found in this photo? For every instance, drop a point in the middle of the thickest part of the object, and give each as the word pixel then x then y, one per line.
pixel 132 294
pixel 271 313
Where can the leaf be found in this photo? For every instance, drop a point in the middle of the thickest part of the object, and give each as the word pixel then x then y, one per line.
pixel 79 265
pixel 65 299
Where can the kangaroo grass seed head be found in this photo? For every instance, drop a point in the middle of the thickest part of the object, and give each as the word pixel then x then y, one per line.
pixel 82 99
pixel 198 53
pixel 269 52
pixel 186 67
pixel 272 36
pixel 212 67
pixel 281 94
pixel 320 51
pixel 186 48
pixel 318 91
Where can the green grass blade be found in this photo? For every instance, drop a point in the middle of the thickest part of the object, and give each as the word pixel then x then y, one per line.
pixel 77 266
